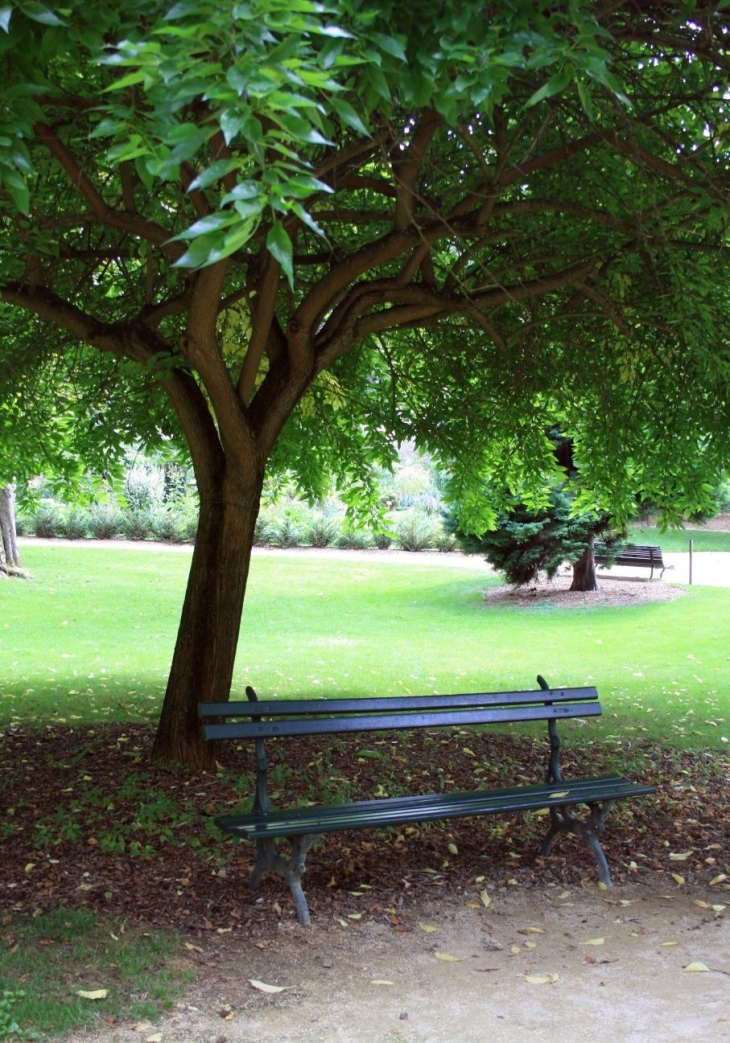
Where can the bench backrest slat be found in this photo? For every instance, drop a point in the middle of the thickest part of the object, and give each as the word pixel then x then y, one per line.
pixel 393 704
pixel 631 552
pixel 261 729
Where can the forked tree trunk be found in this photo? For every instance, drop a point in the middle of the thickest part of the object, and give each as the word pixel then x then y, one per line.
pixel 584 571
pixel 205 652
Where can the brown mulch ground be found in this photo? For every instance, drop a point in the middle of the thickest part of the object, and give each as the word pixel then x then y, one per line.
pixel 90 822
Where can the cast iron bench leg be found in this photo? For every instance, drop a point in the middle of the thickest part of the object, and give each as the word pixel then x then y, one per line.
pixel 268 860
pixel 561 821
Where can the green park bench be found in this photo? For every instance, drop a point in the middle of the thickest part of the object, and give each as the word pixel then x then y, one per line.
pixel 640 556
pixel 255 721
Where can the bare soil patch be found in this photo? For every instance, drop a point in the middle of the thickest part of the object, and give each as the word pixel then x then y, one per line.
pixel 616 592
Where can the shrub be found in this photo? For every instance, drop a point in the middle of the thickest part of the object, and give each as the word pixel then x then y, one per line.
pixel 355 539
pixel 46 522
pixel 188 524
pixel 415 532
pixel 263 533
pixel 74 524
pixel 287 532
pixel 321 531
pixel 105 522
pixel 166 527
pixel 444 542
pixel 138 524
pixel 144 485
pixel 23 525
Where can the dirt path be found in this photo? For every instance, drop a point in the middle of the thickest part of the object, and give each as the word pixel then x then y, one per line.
pixel 553 965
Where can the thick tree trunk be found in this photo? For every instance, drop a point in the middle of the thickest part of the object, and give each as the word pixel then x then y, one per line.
pixel 7 526
pixel 584 571
pixel 205 652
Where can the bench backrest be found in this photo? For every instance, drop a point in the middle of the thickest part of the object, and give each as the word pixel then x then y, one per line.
pixel 631 552
pixel 265 719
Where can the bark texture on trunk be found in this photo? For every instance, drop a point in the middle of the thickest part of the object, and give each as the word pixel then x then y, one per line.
pixel 7 526
pixel 205 652
pixel 584 571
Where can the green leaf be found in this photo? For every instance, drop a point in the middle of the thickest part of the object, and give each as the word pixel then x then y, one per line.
pixel 213 173
pixel 280 247
pixel 17 187
pixel 335 31
pixel 349 116
pixel 206 225
pixel 390 45
pixel 127 81
pixel 6 13
pixel 42 14
pixel 243 190
pixel 557 83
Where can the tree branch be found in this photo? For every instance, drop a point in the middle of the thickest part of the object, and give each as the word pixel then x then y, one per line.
pixel 124 221
pixel 407 165
pixel 261 333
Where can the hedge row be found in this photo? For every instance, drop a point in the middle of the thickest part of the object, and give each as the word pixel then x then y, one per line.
pixel 285 527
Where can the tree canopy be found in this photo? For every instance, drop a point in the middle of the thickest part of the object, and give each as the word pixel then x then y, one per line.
pixel 320 226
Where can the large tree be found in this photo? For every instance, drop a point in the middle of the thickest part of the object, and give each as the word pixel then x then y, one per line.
pixel 320 225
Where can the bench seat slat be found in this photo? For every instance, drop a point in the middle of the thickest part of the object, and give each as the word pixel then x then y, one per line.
pixel 396 703
pixel 396 721
pixel 392 811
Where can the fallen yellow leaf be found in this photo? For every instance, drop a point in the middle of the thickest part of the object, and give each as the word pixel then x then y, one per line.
pixel 696 967
pixel 594 941
pixel 718 879
pixel 680 856
pixel 156 1037
pixel 428 928
pixel 678 879
pixel 95 994
pixel 667 945
pixel 381 981
pixel 263 986
pixel 556 796
pixel 541 979
pixel 446 958
pixel 485 899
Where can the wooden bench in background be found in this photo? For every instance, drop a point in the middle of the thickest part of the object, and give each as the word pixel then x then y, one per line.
pixel 640 556
pixel 285 721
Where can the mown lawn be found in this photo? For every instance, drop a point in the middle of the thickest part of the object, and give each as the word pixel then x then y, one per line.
pixel 91 635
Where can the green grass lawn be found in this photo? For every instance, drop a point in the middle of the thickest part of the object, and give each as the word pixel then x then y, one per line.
pixel 676 541
pixel 71 969
pixel 91 635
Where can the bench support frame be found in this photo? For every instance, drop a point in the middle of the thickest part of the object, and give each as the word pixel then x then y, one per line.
pixel 270 860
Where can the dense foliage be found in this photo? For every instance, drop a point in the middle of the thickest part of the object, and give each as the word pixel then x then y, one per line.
pixel 320 226
pixel 526 543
